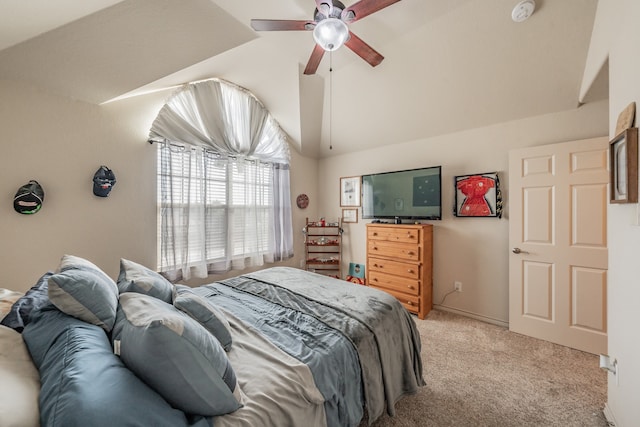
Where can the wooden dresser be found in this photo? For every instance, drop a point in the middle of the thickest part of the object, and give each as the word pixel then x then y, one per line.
pixel 400 262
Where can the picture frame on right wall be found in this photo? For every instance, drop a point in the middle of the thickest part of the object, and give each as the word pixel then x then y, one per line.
pixel 623 167
pixel 478 195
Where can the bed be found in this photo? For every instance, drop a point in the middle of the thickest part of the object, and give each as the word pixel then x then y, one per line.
pixel 277 347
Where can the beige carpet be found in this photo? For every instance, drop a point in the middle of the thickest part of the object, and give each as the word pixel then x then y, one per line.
pixel 479 374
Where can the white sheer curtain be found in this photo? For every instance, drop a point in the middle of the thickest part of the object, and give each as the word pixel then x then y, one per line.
pixel 223 182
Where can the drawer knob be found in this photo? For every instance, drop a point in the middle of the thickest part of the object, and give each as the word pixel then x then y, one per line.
pixel 375 248
pixel 410 271
pixel 411 287
pixel 410 253
pixel 375 234
pixel 409 303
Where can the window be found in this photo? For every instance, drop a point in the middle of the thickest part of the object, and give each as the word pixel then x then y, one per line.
pixel 219 209
pixel 232 199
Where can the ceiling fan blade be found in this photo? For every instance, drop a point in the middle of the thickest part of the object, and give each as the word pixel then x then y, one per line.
pixel 364 8
pixel 281 25
pixel 314 60
pixel 363 50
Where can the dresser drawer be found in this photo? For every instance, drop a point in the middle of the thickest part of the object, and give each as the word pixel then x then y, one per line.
pixel 397 268
pixel 394 283
pixel 397 234
pixel 410 302
pixel 399 262
pixel 402 251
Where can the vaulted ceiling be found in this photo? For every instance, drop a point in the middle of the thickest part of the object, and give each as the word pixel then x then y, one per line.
pixel 449 65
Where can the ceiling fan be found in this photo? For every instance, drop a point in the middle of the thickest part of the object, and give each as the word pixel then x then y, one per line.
pixel 330 29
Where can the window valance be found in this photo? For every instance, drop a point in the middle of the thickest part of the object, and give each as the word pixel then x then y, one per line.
pixel 222 116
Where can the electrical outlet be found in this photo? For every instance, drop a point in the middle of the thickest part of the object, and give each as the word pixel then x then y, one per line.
pixel 457 286
pixel 611 365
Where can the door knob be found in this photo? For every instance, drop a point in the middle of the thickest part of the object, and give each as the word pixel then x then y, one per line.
pixel 519 251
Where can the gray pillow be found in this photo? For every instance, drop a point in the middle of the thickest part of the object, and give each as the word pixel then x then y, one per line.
pixel 80 289
pixel 20 314
pixel 204 312
pixel 135 277
pixel 175 356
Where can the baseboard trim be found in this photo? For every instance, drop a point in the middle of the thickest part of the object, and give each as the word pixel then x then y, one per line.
pixel 472 315
pixel 608 414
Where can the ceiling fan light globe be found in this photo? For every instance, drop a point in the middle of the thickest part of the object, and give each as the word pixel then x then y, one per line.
pixel 331 33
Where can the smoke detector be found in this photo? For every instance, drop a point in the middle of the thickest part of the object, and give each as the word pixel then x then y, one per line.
pixel 523 10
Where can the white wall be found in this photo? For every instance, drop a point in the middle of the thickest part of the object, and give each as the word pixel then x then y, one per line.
pixel 61 143
pixel 617 28
pixel 471 250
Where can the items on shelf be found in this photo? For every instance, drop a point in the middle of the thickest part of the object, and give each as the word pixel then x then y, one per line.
pixel 323 247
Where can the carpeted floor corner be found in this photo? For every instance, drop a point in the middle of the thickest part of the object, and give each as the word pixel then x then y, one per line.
pixel 479 374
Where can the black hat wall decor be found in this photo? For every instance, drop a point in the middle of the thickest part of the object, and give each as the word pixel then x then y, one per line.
pixel 103 181
pixel 28 199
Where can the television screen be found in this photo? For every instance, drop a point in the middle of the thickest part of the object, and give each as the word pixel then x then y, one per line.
pixel 408 194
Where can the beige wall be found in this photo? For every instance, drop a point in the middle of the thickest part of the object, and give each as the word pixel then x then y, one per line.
pixel 471 250
pixel 61 143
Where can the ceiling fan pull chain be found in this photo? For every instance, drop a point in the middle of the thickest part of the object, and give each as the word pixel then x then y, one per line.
pixel 330 98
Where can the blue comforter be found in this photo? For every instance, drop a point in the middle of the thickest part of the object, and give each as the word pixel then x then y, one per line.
pixel 329 353
pixel 380 330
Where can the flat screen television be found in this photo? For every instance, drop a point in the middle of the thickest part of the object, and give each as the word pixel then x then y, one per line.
pixel 408 194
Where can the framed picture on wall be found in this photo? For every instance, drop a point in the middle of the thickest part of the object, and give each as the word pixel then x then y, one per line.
pixel 478 195
pixel 623 158
pixel 350 191
pixel 349 215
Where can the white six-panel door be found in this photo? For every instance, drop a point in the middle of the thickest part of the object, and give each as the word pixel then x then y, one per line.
pixel 558 239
